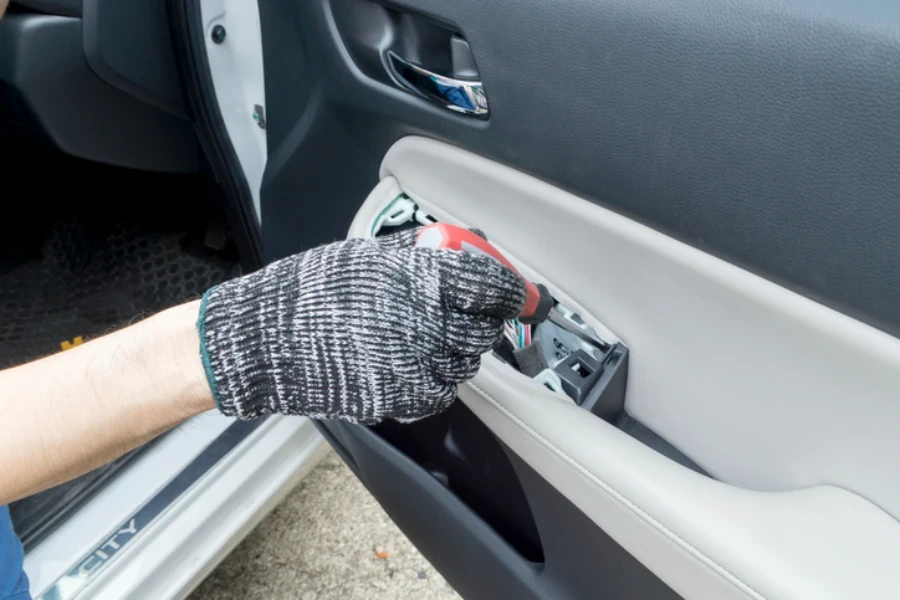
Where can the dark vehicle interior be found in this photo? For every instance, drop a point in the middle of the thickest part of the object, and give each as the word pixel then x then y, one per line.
pixel 711 186
pixel 92 249
pixel 113 213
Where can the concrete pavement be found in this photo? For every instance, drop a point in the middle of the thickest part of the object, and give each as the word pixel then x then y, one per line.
pixel 320 544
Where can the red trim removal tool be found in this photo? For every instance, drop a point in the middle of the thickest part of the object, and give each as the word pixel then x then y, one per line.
pixel 538 301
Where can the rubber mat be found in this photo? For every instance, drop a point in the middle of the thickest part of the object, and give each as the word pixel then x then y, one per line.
pixel 84 281
pixel 87 283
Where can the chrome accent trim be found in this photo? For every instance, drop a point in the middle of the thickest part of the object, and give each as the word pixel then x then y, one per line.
pixel 71 584
pixel 464 96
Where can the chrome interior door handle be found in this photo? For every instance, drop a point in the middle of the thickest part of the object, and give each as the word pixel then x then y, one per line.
pixel 464 96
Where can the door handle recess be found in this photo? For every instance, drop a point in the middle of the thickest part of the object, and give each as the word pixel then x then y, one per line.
pixel 464 96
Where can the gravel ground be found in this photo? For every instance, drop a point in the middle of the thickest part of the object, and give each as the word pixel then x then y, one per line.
pixel 320 543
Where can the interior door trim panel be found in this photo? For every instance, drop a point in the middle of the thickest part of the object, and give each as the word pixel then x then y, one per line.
pixel 470 555
pixel 760 133
pixel 801 508
pixel 763 132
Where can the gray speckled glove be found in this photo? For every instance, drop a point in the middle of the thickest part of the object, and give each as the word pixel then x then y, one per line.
pixel 361 330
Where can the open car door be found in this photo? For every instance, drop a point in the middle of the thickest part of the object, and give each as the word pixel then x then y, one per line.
pixel 712 188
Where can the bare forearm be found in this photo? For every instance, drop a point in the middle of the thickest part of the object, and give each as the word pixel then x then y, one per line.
pixel 362 330
pixel 71 412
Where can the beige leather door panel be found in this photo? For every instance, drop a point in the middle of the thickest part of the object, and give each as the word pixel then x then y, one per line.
pixel 790 406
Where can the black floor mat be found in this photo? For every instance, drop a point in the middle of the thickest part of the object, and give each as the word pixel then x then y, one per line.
pixel 85 280
pixel 87 283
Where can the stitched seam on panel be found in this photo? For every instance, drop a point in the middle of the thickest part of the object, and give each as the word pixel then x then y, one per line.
pixel 684 544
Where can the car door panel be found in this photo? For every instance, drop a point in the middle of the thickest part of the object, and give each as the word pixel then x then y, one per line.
pixel 781 521
pixel 768 371
pixel 763 132
pixel 711 184
pixel 477 560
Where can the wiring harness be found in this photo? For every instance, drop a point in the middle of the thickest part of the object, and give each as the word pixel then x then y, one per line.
pixel 517 333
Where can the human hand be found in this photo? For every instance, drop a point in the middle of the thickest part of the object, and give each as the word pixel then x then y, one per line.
pixel 361 330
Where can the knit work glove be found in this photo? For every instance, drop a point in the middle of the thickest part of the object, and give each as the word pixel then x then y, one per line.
pixel 361 330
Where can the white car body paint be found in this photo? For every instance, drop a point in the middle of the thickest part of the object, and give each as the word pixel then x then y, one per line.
pixel 93 522
pixel 101 552
pixel 236 66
